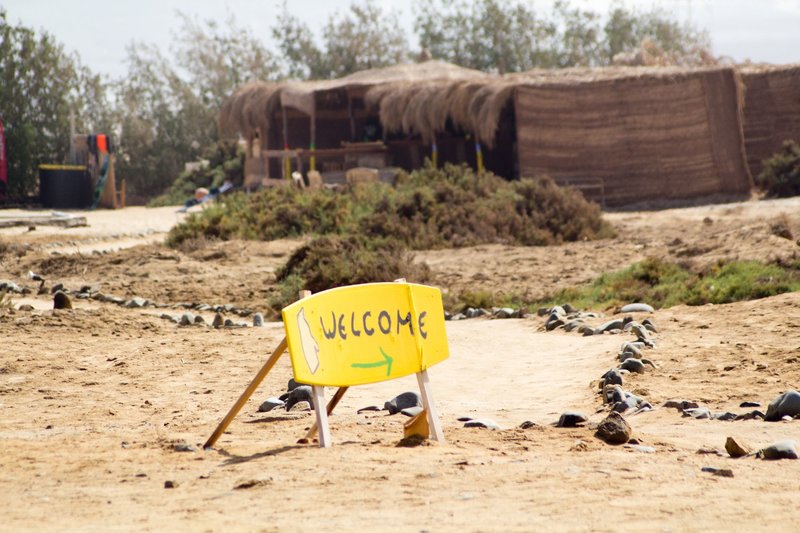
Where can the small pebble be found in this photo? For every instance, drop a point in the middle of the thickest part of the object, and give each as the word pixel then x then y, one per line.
pixel 482 423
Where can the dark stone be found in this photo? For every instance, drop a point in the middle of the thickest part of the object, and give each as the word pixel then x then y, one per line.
pixel 698 412
pixel 187 319
pixel 608 326
pixel 787 404
pixel 292 384
pixel 482 423
pixel 269 404
pixel 218 321
pixel 25 307
pixel 751 415
pixel 135 302
pixel 553 324
pixel 411 411
pixel 612 377
pixel 724 416
pixel 198 319
pixel 402 401
pixel 505 312
pixel 527 425
pixel 571 419
pixel 681 405
pixel 169 484
pixel 630 402
pixel 369 408
pixel 228 323
pixel 633 365
pixel 722 472
pixel 637 308
pixel 61 301
pixel 300 394
pixel 749 404
pixel 647 323
pixel 785 449
pixel 614 429
pixel 57 287
pixel 258 320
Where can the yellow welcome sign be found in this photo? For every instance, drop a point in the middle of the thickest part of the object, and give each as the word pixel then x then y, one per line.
pixel 356 335
pixel 365 333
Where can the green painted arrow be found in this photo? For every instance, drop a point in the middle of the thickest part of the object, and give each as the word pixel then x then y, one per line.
pixel 386 361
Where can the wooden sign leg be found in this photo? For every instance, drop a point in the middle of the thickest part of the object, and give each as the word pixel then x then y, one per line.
pixel 246 394
pixel 322 416
pixel 331 406
pixel 427 403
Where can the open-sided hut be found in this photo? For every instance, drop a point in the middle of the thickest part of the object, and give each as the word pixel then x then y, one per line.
pixel 325 115
pixel 771 110
pixel 643 134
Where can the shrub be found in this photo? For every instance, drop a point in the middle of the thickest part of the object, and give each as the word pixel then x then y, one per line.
pixel 334 261
pixel 780 175
pixel 429 208
pixel 664 284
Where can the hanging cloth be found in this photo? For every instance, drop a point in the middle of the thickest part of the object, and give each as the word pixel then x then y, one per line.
pixel 3 163
pixel 102 146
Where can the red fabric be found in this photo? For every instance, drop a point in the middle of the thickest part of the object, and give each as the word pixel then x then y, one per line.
pixel 102 146
pixel 3 164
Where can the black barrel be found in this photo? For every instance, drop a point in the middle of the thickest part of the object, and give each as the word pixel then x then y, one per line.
pixel 65 186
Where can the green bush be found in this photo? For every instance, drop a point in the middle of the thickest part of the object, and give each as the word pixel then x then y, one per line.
pixel 780 175
pixel 429 208
pixel 664 284
pixel 334 261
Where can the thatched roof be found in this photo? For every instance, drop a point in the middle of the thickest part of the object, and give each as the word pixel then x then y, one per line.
pixel 420 98
pixel 301 95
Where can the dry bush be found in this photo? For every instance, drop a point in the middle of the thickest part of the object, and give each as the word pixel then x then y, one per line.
pixel 780 176
pixel 781 227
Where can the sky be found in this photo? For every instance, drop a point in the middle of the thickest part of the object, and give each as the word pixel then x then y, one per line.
pixel 99 31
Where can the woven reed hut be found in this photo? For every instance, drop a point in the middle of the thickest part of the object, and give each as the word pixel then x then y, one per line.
pixel 643 134
pixel 336 111
pixel 771 110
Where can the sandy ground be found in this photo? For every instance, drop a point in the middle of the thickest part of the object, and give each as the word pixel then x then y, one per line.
pixel 93 400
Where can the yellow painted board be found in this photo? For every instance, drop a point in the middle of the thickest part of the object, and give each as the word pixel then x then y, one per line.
pixel 365 333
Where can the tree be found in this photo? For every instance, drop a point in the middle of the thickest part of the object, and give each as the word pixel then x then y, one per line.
pixel 38 87
pixel 218 59
pixel 498 36
pixel 167 109
pixel 626 32
pixel 364 37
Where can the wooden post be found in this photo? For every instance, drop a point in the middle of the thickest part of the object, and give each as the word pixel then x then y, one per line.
pixel 479 156
pixel 312 160
pixel 247 393
pixel 427 403
pixel 286 163
pixel 352 118
pixel 321 412
pixel 331 406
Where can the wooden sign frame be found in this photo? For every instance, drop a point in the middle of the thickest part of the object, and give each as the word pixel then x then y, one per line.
pixel 322 411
